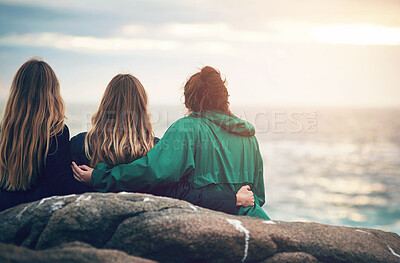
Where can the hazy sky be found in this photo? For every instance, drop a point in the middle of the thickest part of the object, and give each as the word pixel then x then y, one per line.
pixel 311 52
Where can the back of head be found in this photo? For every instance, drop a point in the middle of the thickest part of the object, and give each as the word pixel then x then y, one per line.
pixel 206 90
pixel 121 128
pixel 33 114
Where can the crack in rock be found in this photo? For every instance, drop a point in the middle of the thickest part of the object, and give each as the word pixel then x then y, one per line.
pixel 392 251
pixel 83 198
pixel 193 207
pixel 55 198
pixel 362 231
pixel 269 222
pixel 22 212
pixel 239 226
pixel 57 205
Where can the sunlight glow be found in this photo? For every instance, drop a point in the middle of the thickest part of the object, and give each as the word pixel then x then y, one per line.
pixel 357 35
pixel 274 32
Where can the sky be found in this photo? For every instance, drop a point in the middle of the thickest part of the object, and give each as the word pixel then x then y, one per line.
pixel 287 52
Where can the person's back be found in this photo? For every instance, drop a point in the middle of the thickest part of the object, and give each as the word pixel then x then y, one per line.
pixel 213 151
pixel 34 142
pixel 226 155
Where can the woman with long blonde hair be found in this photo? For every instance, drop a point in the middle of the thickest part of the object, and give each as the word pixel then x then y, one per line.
pixel 122 132
pixel 34 141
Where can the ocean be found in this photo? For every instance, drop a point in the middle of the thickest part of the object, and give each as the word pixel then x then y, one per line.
pixel 338 166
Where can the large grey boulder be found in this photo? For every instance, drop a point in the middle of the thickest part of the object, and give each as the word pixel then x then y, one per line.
pixel 69 252
pixel 169 230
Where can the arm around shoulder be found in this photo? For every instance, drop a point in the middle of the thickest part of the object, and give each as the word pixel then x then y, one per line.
pixel 164 165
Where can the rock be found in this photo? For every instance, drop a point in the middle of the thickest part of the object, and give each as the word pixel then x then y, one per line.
pixel 292 257
pixel 71 252
pixel 169 230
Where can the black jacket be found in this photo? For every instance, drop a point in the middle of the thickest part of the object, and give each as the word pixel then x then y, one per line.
pixel 55 179
pixel 224 201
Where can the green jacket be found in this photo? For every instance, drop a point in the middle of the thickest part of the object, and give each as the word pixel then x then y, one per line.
pixel 214 151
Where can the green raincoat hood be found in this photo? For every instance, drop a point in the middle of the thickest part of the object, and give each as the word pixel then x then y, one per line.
pixel 230 123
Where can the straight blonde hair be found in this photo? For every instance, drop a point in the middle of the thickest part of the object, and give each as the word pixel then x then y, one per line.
pixel 121 128
pixel 34 113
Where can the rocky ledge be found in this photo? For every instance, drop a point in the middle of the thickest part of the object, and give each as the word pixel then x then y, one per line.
pixel 130 227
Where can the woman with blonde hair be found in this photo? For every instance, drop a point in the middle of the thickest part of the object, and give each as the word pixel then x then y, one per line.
pixel 122 132
pixel 121 129
pixel 34 141
pixel 211 148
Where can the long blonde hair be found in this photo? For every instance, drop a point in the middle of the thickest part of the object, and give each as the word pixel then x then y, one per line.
pixel 121 128
pixel 34 113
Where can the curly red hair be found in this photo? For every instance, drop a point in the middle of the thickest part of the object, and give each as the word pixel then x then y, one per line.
pixel 206 90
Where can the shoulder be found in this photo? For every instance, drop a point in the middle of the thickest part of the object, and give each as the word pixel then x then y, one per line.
pixel 184 124
pixel 64 133
pixel 61 137
pixel 78 142
pixel 183 128
pixel 59 142
pixel 79 138
pixel 78 153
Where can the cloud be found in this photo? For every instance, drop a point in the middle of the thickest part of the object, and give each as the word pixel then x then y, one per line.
pixel 87 5
pixel 87 43
pixel 217 38
pixel 113 45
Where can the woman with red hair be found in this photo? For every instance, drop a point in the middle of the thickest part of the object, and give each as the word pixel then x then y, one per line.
pixel 210 148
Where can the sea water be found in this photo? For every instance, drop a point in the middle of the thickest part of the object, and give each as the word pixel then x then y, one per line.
pixel 333 166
